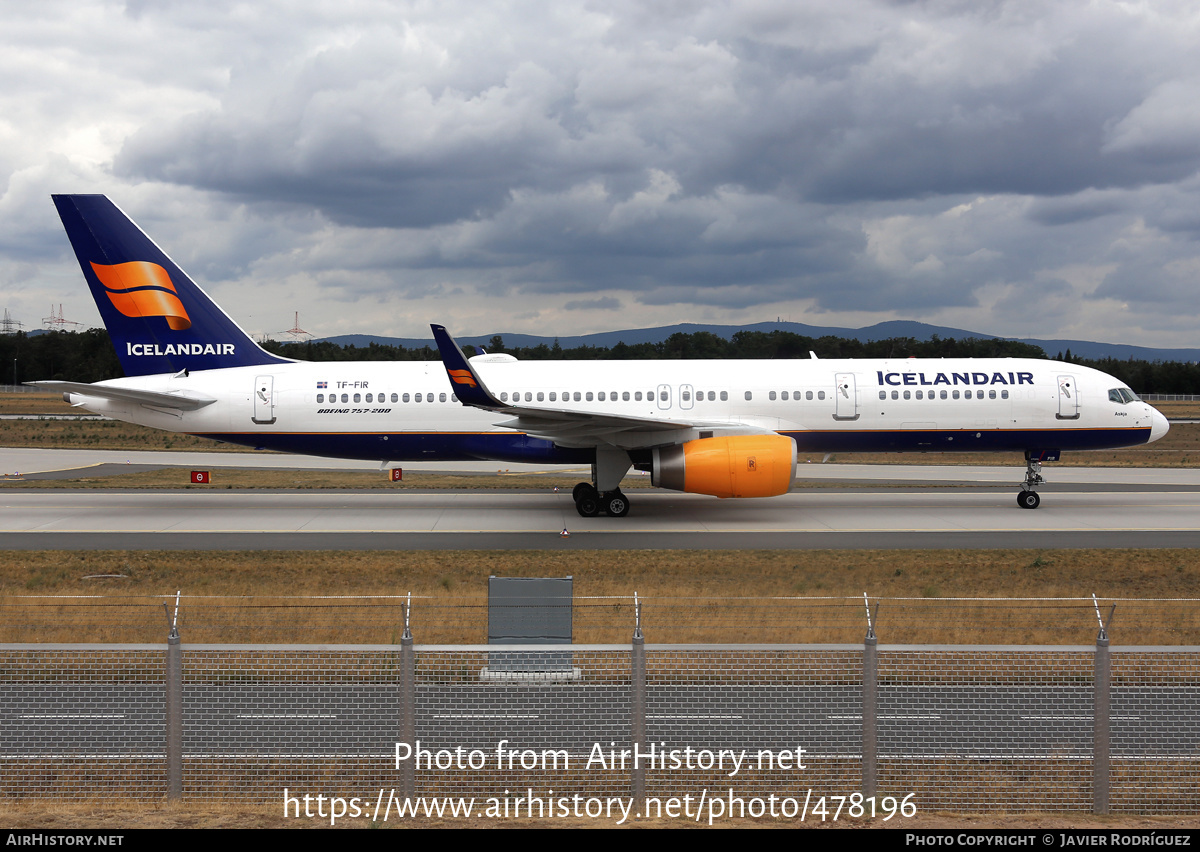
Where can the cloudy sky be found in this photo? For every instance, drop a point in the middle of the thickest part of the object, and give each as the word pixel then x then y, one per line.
pixel 1018 168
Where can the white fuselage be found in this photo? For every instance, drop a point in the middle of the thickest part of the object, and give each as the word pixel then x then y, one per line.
pixel 397 411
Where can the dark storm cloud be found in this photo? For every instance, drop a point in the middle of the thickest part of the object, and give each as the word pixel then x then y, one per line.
pixel 866 158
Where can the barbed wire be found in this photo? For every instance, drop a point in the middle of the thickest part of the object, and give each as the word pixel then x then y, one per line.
pixel 348 619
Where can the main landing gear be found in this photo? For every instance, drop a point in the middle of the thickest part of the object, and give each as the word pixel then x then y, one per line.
pixel 603 493
pixel 589 502
pixel 1028 498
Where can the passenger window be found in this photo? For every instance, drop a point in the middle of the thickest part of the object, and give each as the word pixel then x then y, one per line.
pixel 662 396
pixel 503 396
pixel 588 396
pixel 577 396
pixel 784 395
pixel 345 397
pixel 883 394
pixel 395 398
pixel 724 396
pixel 955 394
pixel 809 395
pixel 600 396
pixel 820 394
pixel 441 397
pixel 369 398
pixel 919 396
pixel 967 394
pixel 1004 394
pixel 943 394
pixel 358 397
pixel 637 396
pixel 770 395
pixel 907 395
pixel 405 397
pixel 540 396
pixel 749 395
pixel 625 396
pixel 320 397
pixel 991 394
pixel 895 394
pixel 553 396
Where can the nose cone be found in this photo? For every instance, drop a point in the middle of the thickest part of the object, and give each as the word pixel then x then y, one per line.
pixel 1158 424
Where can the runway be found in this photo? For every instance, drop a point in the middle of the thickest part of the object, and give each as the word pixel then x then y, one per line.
pixel 871 517
pixel 831 506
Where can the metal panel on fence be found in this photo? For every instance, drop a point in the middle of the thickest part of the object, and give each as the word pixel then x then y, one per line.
pixel 529 611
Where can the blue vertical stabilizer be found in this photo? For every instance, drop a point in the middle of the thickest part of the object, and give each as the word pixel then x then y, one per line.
pixel 158 319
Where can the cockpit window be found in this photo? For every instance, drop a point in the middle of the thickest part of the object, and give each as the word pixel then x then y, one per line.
pixel 1122 395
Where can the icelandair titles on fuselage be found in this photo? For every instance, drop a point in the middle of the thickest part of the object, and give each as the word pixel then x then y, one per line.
pixel 180 349
pixel 955 379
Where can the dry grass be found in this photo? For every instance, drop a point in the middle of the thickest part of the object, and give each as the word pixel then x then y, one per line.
pixel 299 480
pixel 687 596
pixel 119 817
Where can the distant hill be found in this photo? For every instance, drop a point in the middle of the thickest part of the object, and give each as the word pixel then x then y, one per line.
pixel 879 331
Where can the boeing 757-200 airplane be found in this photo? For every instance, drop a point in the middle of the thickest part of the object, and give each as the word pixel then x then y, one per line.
pixel 724 428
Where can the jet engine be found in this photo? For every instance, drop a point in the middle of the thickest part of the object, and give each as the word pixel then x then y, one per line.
pixel 735 466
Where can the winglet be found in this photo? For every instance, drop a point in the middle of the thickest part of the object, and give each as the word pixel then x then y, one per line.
pixel 468 387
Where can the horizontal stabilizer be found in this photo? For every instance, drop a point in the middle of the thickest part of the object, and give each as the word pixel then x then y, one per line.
pixel 181 401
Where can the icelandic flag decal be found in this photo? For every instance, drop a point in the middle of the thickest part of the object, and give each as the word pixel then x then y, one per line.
pixel 321 385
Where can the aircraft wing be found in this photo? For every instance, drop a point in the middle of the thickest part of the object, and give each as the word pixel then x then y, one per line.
pixel 570 428
pixel 180 401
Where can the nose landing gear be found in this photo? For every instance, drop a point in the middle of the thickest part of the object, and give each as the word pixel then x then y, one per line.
pixel 1028 498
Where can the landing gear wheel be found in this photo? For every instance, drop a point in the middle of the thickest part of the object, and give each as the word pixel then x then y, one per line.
pixel 616 504
pixel 1029 500
pixel 588 507
pixel 583 489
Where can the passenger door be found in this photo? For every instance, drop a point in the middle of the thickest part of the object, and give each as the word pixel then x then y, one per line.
pixel 264 399
pixel 846 396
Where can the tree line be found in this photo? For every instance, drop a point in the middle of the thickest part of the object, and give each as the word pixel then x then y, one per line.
pixel 694 346
pixel 88 356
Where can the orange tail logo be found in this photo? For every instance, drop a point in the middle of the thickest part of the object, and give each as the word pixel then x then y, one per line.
pixel 462 377
pixel 143 289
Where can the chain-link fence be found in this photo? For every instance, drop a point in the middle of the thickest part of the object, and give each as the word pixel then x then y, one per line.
pixel 952 726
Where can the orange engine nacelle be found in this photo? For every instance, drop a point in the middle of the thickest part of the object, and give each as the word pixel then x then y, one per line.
pixel 737 466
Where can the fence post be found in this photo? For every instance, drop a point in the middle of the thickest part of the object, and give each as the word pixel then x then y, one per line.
pixel 638 702
pixel 870 687
pixel 408 706
pixel 1101 719
pixel 174 706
